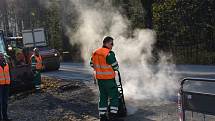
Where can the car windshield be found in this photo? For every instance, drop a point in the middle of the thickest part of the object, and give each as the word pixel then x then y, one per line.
pixel 2 47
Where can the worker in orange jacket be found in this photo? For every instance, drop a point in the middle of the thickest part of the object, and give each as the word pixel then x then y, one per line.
pixel 4 87
pixel 105 64
pixel 36 66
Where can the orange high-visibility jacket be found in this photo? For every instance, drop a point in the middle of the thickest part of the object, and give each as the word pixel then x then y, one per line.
pixel 103 70
pixel 38 63
pixel 4 75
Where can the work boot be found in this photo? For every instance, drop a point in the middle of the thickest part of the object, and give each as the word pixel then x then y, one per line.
pixel 103 118
pixel 114 117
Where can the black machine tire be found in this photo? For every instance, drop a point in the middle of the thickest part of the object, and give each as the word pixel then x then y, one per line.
pixel 55 67
pixel 21 79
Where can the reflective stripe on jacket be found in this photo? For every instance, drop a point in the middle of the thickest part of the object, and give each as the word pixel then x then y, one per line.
pixel 4 75
pixel 38 65
pixel 103 70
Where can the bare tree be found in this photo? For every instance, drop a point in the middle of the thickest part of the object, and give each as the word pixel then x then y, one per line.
pixel 3 9
pixel 147 6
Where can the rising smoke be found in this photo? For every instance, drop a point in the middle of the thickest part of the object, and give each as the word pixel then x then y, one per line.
pixel 141 80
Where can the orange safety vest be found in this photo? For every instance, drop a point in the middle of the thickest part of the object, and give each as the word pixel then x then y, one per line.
pixel 103 70
pixel 39 61
pixel 4 75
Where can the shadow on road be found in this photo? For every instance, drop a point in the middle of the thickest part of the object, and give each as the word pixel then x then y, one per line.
pixel 140 115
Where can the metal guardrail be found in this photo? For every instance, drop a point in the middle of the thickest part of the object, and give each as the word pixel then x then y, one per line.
pixel 195 101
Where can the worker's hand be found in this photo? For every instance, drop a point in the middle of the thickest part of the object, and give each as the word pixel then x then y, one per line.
pixel 94 77
pixel 95 81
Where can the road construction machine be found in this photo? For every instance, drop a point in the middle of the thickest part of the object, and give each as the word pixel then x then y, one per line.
pixel 20 71
pixel 35 38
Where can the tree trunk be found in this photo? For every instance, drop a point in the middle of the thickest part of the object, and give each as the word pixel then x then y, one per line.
pixel 3 6
pixel 126 4
pixel 147 7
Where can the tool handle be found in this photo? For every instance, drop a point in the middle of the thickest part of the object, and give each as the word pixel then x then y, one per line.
pixel 94 78
pixel 120 82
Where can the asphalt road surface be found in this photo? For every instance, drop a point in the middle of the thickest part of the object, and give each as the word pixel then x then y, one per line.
pixel 71 71
pixel 148 110
pixel 80 72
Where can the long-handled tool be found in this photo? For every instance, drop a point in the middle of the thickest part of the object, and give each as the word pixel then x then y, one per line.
pixel 122 112
pixel 94 78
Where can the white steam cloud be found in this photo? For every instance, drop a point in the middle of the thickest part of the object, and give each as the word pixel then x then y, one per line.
pixel 141 80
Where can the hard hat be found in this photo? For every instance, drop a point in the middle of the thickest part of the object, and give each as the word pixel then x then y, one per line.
pixel 36 49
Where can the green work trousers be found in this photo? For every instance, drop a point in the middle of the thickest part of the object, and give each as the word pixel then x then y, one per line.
pixel 37 79
pixel 108 92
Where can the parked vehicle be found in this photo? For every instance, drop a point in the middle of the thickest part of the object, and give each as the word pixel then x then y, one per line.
pixel 36 38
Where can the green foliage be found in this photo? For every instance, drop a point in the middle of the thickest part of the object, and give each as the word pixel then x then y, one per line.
pixel 53 26
pixel 28 14
pixel 133 10
pixel 186 29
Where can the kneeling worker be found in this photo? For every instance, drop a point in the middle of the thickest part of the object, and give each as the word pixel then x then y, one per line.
pixel 105 64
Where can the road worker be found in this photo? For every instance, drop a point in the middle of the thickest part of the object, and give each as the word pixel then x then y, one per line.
pixel 4 87
pixel 105 64
pixel 37 66
pixel 19 56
